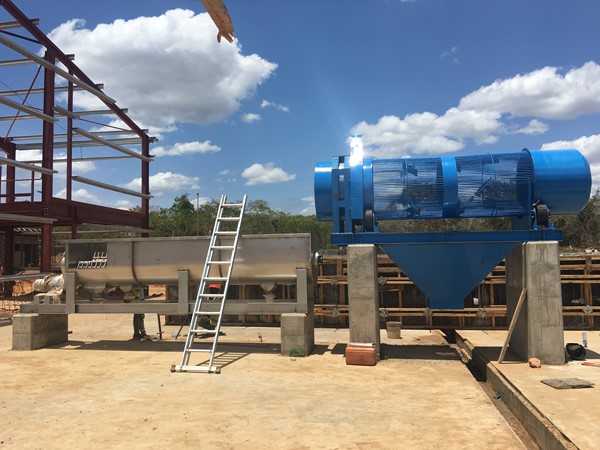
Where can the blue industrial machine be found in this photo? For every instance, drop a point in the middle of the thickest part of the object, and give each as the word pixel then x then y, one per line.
pixel 527 186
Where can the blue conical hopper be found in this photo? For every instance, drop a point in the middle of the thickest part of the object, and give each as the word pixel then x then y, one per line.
pixel 448 272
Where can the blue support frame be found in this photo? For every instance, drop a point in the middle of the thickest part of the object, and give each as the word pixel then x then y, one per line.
pixel 442 237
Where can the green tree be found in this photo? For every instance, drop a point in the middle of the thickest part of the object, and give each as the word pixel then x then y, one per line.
pixel 583 229
pixel 178 220
pixel 182 219
pixel 259 218
pixel 182 204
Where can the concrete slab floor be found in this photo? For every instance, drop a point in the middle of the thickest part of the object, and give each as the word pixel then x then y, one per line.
pixel 575 412
pixel 103 390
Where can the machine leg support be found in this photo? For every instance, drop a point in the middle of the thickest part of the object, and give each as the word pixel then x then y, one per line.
pixel 538 330
pixel 363 295
pixel 35 331
pixel 297 334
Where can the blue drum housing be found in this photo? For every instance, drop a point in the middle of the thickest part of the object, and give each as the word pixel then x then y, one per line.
pixel 526 186
pixel 469 186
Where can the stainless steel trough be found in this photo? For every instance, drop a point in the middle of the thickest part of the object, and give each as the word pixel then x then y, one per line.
pixel 92 268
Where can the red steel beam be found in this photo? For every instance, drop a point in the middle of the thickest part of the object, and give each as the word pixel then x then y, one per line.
pixel 67 212
pixel 63 58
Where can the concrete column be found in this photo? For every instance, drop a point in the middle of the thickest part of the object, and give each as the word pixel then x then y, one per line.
pixel 297 333
pixel 539 331
pixel 363 295
pixel 34 331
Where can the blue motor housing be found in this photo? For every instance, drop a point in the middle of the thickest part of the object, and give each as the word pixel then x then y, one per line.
pixel 468 186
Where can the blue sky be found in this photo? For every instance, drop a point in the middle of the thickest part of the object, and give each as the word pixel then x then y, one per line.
pixel 416 78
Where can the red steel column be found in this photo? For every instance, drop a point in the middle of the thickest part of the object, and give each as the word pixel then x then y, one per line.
pixel 146 183
pixel 47 162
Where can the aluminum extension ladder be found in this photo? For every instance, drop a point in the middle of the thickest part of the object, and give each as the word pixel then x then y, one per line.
pixel 219 259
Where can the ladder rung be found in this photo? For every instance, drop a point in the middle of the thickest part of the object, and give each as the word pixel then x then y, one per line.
pixel 230 219
pixel 208 313
pixel 233 205
pixel 212 295
pixel 225 233
pixel 222 247
pixel 215 279
pixel 202 331
pixel 218 262
pixel 199 350
pixel 204 369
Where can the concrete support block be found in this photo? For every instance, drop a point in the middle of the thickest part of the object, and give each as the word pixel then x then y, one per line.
pixel 363 295
pixel 539 330
pixel 394 330
pixel 297 332
pixel 34 331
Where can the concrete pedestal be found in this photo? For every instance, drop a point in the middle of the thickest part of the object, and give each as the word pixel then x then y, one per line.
pixel 538 332
pixel 363 295
pixel 34 331
pixel 394 330
pixel 297 333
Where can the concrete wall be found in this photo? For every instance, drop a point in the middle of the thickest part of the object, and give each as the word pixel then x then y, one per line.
pixel 34 331
pixel 363 295
pixel 539 329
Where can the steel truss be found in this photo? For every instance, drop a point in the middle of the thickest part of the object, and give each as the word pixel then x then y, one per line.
pixel 27 188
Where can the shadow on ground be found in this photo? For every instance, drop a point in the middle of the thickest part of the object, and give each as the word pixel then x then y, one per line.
pixel 425 352
pixel 168 346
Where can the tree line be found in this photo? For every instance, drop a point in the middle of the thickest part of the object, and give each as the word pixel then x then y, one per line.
pixel 184 219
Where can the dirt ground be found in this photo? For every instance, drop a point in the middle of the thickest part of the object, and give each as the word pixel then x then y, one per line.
pixel 103 390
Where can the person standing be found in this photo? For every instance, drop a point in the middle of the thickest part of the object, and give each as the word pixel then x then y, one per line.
pixel 139 329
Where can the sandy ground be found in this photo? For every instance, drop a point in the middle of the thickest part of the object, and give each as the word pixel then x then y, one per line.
pixel 103 390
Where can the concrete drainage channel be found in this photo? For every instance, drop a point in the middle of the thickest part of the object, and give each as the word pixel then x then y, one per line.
pixel 534 430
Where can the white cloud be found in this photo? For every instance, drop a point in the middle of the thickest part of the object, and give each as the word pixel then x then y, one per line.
pixel 265 174
pixel 164 182
pixel 225 176
pixel 81 195
pixel 79 167
pixel 111 125
pixel 168 69
pixel 251 117
pixel 123 204
pixel 543 93
pixel 427 133
pixel 186 148
pixel 277 106
pixel 310 208
pixel 589 146
pixel 487 113
pixel 84 196
pixel 29 155
pixel 533 127
pixel 451 54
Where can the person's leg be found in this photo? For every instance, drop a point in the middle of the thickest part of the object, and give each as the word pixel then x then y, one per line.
pixel 138 326
pixel 142 326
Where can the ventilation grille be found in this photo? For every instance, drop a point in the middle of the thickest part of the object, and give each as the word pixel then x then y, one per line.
pixel 489 185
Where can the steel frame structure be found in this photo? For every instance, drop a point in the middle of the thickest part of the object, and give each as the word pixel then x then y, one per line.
pixel 19 209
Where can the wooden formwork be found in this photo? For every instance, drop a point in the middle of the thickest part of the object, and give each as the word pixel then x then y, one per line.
pixel 400 300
